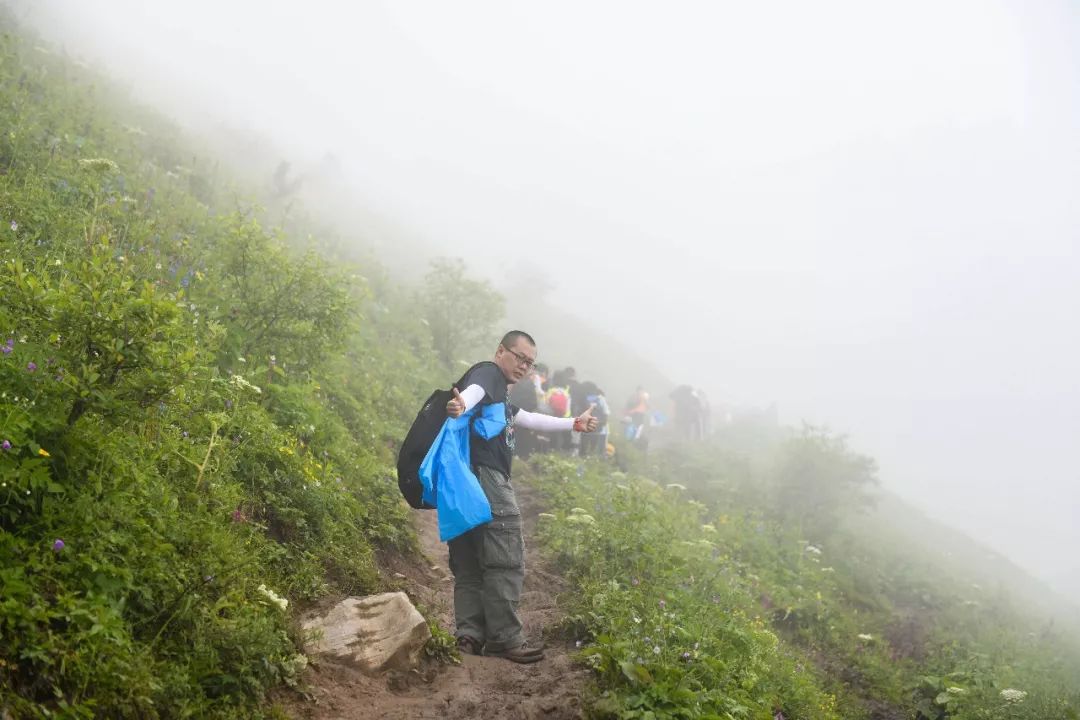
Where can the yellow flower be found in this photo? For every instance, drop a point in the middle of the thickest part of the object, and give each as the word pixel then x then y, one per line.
pixel 43 452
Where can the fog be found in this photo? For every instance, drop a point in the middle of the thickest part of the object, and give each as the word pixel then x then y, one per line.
pixel 863 212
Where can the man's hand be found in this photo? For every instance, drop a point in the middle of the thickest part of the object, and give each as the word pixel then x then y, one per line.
pixel 456 405
pixel 585 422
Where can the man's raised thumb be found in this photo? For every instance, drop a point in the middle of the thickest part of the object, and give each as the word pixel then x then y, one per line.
pixel 457 395
pixel 588 413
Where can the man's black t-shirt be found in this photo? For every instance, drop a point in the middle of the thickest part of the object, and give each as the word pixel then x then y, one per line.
pixel 497 452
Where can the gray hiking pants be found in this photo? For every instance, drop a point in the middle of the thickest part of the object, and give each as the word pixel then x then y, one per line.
pixel 488 564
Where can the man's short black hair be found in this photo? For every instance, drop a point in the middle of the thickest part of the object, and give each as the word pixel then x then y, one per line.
pixel 510 338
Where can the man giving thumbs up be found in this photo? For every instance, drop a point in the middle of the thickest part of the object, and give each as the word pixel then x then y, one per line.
pixel 488 562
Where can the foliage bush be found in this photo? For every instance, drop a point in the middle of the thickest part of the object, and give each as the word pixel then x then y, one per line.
pixel 697 594
pixel 196 416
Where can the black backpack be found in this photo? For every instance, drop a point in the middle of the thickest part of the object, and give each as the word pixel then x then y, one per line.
pixel 414 449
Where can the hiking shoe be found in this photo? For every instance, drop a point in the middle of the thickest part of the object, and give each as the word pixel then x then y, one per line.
pixel 469 645
pixel 523 653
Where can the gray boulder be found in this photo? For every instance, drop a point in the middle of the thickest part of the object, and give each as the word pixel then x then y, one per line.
pixel 376 633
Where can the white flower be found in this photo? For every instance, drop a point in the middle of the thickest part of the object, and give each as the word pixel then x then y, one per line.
pixel 242 383
pixel 1012 696
pixel 953 690
pixel 656 650
pixel 546 516
pixel 865 637
pixel 675 486
pixel 157 266
pixel 585 519
pixel 57 263
pixel 99 164
pixel 708 528
pixel 813 550
pixel 274 598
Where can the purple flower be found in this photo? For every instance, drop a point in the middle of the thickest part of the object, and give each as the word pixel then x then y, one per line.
pixel 14 226
pixel 663 604
pixel 6 445
pixel 31 366
pixel 635 582
pixel 238 516
pixel 686 656
pixel 779 715
pixel 6 349
pixel 58 545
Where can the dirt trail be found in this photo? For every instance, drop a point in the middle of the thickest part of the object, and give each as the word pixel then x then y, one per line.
pixel 480 687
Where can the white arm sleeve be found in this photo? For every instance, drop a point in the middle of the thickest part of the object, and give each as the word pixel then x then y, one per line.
pixel 543 423
pixel 472 395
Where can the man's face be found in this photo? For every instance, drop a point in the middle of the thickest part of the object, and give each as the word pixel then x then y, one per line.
pixel 515 362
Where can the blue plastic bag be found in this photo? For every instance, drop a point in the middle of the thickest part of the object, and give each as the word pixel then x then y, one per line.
pixel 446 473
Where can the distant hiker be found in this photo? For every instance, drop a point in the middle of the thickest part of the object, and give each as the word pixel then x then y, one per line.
pixel 688 413
pixel 558 400
pixel 488 562
pixel 636 414
pixel 595 444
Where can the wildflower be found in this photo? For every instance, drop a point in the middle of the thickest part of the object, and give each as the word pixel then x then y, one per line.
pixel 6 445
pixel 865 637
pixel 241 382
pixel 43 452
pixel 686 656
pixel 31 366
pixel 238 516
pixel 544 515
pixel 274 598
pixel 953 690
pixel 675 486
pixel 121 258
pixel 662 604
pixel 656 650
pixel 57 263
pixel 99 164
pixel 577 644
pixel 157 266
pixel 636 619
pixel 708 528
pixel 14 226
pixel 813 550
pixel 635 582
pixel 58 545
pixel 779 715
pixel 1012 696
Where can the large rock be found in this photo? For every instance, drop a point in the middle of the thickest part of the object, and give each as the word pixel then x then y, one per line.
pixel 378 632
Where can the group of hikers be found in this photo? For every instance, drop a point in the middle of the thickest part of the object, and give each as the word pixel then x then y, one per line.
pixel 560 394
pixel 514 405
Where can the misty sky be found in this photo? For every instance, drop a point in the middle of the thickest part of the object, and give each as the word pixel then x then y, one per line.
pixel 866 212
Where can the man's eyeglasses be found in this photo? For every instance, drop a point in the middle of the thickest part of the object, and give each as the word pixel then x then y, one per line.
pixel 523 360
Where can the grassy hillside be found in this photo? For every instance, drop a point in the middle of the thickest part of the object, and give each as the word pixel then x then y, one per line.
pixel 196 417
pixel 714 582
